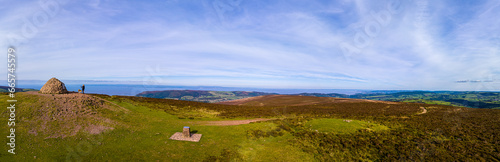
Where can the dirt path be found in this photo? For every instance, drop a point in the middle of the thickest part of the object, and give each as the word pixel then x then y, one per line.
pixel 231 122
pixel 424 111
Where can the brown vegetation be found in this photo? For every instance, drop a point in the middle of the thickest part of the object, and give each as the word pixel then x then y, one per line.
pixel 292 100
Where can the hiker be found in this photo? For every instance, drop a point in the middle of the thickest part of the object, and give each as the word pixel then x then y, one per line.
pixel 83 89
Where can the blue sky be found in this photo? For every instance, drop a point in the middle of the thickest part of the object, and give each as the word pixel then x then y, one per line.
pixel 341 44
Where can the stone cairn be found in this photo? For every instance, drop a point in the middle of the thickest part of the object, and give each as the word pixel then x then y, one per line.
pixel 54 86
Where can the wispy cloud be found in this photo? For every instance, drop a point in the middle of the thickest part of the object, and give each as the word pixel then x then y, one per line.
pixel 427 45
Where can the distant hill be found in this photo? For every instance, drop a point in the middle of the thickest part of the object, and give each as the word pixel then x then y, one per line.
pixel 6 89
pixel 201 96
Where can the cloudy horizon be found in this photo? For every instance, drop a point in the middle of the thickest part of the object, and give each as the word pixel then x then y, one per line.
pixel 346 44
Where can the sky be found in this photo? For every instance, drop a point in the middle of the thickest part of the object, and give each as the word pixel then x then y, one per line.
pixel 309 44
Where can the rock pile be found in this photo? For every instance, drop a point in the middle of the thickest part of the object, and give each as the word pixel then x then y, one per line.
pixel 54 86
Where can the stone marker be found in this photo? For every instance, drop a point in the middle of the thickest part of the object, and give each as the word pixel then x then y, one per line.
pixel 186 132
pixel 186 135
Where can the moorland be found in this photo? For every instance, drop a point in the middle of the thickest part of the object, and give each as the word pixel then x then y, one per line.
pixel 96 127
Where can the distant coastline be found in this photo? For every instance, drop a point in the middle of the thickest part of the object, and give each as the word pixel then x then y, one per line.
pixel 132 88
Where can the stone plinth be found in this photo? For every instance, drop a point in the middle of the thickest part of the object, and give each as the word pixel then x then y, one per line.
pixel 186 135
pixel 186 132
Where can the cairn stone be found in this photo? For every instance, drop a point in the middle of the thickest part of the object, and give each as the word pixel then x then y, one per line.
pixel 54 86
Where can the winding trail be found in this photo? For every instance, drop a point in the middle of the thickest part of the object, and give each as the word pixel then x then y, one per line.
pixel 424 111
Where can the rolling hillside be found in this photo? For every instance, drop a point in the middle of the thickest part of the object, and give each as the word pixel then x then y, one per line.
pixel 83 127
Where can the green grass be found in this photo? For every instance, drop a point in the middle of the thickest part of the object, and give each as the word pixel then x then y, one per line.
pixel 340 126
pixel 142 135
pixel 266 149
pixel 214 140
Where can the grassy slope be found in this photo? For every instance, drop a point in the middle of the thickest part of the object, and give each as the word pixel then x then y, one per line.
pixel 143 135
